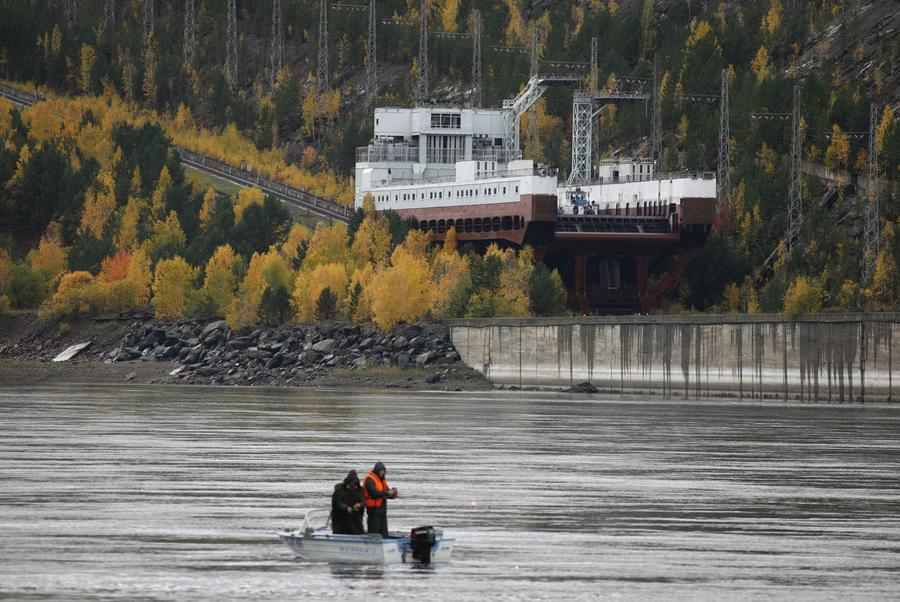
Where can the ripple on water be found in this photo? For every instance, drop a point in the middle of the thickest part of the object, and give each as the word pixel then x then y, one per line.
pixel 160 493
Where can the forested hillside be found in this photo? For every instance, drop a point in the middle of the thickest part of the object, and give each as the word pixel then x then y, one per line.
pixel 842 54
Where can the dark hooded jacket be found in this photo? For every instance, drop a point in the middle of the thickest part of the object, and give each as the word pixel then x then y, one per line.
pixel 346 517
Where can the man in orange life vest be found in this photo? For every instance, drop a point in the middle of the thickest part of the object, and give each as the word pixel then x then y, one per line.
pixel 376 493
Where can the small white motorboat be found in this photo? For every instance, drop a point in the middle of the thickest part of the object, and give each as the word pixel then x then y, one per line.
pixel 422 545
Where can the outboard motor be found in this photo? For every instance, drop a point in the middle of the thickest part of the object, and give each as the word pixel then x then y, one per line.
pixel 421 540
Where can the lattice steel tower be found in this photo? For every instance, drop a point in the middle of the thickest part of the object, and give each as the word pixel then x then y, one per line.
pixel 72 13
pixel 595 84
pixel 109 14
pixel 723 182
pixel 277 51
pixel 530 118
pixel 656 120
pixel 476 58
pixel 582 114
pixel 187 53
pixel 422 92
pixel 795 192
pixel 148 20
pixel 231 51
pixel 372 58
pixel 322 67
pixel 871 228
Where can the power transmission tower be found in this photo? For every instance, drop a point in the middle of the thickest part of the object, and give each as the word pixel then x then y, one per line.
pixel 109 14
pixel 422 93
pixel 322 70
pixel 231 58
pixel 531 121
pixel 534 51
pixel 187 57
pixel 723 176
pixel 277 57
pixel 372 58
pixel 656 121
pixel 595 85
pixel 795 192
pixel 72 13
pixel 148 21
pixel 582 114
pixel 476 58
pixel 871 230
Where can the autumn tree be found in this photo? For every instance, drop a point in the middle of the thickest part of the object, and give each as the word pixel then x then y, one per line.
pixel 805 295
pixel 404 291
pixel 172 288
pixel 220 283
pixel 247 197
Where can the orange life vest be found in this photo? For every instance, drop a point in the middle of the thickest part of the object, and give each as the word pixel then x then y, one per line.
pixel 380 485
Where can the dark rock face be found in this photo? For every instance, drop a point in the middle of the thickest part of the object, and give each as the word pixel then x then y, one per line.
pixel 288 355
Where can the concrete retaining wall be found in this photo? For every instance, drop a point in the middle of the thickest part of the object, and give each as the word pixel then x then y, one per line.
pixel 830 357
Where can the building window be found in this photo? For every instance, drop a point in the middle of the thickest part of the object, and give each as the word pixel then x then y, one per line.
pixel 445 120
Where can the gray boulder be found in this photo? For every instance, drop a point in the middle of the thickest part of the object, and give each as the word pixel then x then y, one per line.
pixel 326 346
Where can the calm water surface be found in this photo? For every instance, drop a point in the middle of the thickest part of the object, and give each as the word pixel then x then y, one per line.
pixel 160 493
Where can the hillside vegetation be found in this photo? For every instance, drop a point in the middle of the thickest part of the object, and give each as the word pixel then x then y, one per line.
pixel 843 61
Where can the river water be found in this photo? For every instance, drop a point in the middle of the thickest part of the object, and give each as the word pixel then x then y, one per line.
pixel 164 493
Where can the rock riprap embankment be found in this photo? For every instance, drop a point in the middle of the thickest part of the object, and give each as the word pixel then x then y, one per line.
pixel 212 353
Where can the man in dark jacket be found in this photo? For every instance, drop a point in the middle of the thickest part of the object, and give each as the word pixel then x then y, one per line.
pixel 347 506
pixel 377 493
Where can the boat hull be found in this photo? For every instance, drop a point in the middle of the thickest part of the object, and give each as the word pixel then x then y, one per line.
pixel 361 548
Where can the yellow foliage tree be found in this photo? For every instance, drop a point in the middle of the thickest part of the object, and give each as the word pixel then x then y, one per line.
pixel 158 200
pixel 298 236
pixel 149 86
pixel 884 282
pixel 515 27
pixel 99 206
pixel 404 291
pixel 88 58
pixel 884 127
pixel 220 284
pixel 805 295
pixel 372 242
pixel 172 287
pixel 168 238
pixel 451 276
pixel 329 244
pixel 732 298
pixel 244 310
pixel 449 13
pixel 134 214
pixel 772 19
pixel 761 65
pixel 76 296
pixel 310 284
pixel 245 198
pixel 208 206
pixel 50 256
pixel 837 154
